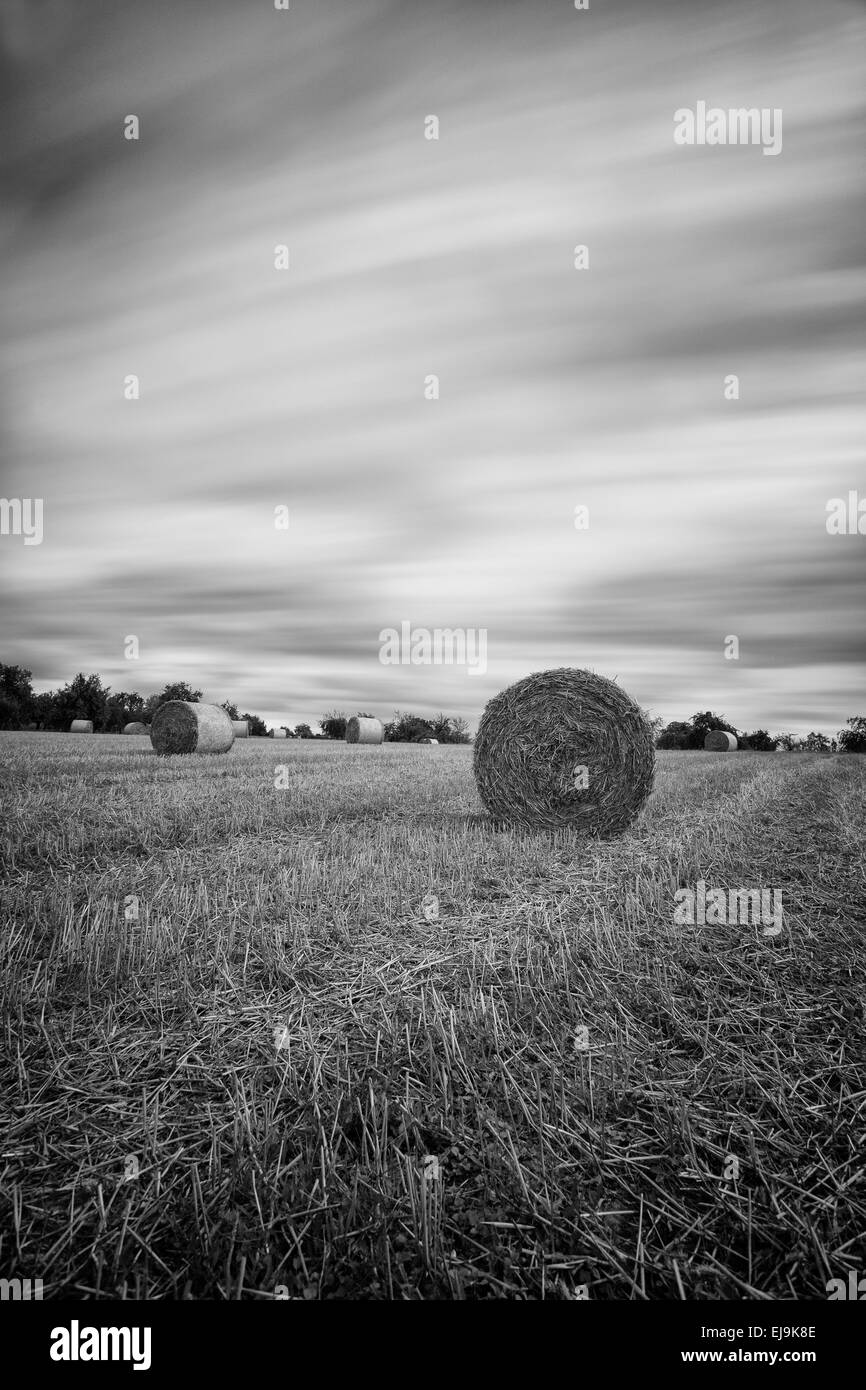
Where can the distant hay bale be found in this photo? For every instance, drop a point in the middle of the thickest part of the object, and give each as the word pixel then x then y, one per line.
pixel 182 727
pixel 564 748
pixel 433 741
pixel 720 741
pixel 360 729
pixel 241 728
pixel 278 733
pixel 81 726
pixel 135 728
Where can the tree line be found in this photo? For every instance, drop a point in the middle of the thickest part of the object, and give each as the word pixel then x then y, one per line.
pixel 85 697
pixel 691 734
pixel 404 728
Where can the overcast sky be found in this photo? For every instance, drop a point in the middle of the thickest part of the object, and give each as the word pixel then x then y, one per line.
pixel 409 257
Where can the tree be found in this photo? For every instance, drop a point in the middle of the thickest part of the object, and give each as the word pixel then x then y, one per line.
pixel 258 727
pixel 441 726
pixel 853 739
pixel 450 730
pixel 179 690
pixel 45 710
pixel 16 697
pixel 303 731
pixel 759 740
pixel 231 710
pixel 675 735
pixel 10 712
pixel 817 743
pixel 412 728
pixel 702 724
pixel 788 741
pixel 175 690
pixel 408 728
pixel 333 725
pixel 121 708
pixel 85 697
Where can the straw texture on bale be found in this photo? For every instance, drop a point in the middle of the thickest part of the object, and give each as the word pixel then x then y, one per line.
pixel 135 728
pixel 278 733
pixel 81 726
pixel 720 741
pixel 360 729
pixel 241 728
pixel 535 736
pixel 182 727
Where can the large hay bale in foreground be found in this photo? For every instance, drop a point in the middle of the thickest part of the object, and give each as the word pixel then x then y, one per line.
pixel 81 726
pixel 720 741
pixel 240 728
pixel 360 729
pixel 564 748
pixel 135 728
pixel 182 727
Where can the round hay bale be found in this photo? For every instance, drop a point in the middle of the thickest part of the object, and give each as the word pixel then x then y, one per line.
pixel 278 733
pixel 564 748
pixel 720 741
pixel 135 728
pixel 240 728
pixel 81 726
pixel 182 727
pixel 360 729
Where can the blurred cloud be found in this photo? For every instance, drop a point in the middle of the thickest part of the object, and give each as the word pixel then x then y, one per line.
pixel 409 257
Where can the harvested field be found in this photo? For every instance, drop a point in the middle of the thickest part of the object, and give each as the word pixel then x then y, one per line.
pixel 241 1043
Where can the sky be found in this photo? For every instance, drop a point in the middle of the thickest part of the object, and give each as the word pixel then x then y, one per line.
pixel 304 388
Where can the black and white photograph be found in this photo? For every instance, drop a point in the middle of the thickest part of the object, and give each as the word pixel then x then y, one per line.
pixel 432 699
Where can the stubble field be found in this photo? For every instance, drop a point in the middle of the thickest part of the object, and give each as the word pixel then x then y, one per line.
pixel 343 1037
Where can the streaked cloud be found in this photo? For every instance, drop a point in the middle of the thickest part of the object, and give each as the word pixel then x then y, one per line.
pixel 454 257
